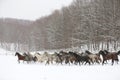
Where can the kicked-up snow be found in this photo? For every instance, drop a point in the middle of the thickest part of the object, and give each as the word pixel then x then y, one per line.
pixel 10 69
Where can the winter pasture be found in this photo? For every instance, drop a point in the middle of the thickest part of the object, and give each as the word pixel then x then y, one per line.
pixel 10 69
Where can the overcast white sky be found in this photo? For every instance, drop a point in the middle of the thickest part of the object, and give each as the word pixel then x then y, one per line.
pixel 30 9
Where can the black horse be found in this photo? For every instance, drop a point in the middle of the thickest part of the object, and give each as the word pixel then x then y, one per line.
pixel 80 59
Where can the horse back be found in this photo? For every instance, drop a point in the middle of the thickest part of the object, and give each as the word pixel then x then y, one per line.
pixel 111 56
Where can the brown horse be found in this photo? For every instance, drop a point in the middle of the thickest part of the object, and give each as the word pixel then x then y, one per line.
pixel 109 56
pixel 21 57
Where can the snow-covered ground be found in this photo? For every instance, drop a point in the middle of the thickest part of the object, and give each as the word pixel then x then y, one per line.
pixel 11 70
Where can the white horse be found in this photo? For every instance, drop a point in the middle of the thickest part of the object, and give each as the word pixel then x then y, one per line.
pixel 50 58
pixel 40 57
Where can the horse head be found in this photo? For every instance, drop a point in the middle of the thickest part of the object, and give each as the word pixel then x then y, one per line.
pixel 101 52
pixel 70 52
pixel 118 52
pixel 16 53
pixel 45 53
pixel 61 51
pixel 35 58
pixel 38 53
pixel 25 54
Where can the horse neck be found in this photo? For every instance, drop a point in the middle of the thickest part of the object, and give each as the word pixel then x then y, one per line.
pixel 106 52
pixel 18 55
pixel 88 52
pixel 102 53
pixel 29 54
pixel 37 55
pixel 25 54
pixel 118 53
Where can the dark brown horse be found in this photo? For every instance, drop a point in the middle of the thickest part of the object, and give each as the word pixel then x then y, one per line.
pixel 109 56
pixel 21 57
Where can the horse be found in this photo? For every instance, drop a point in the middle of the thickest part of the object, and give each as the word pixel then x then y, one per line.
pixel 48 57
pixel 42 57
pixel 94 57
pixel 38 57
pixel 113 56
pixel 57 58
pixel 85 59
pixel 68 57
pixel 21 57
pixel 117 53
pixel 30 57
pixel 64 57
pixel 80 59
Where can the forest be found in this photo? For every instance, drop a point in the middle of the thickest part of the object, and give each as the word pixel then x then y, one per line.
pixel 94 24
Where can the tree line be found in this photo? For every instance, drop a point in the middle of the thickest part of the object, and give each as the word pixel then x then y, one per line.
pixel 90 23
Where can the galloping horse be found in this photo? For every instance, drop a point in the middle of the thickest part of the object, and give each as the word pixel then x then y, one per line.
pixel 109 56
pixel 57 58
pixel 30 57
pixel 94 57
pixel 20 57
pixel 38 57
pixel 117 53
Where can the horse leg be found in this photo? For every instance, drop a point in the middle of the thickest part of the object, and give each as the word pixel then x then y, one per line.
pixel 117 60
pixel 47 62
pixel 103 62
pixel 18 61
pixel 82 62
pixel 51 61
pixel 79 62
pixel 98 60
pixel 75 62
pixel 61 62
pixel 69 62
pixel 27 62
pixel 88 61
pixel 112 62
pixel 85 62
pixel 66 61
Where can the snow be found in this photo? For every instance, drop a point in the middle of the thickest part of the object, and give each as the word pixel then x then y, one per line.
pixel 10 69
pixel 2 51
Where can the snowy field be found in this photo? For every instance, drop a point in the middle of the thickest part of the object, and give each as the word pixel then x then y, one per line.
pixel 10 69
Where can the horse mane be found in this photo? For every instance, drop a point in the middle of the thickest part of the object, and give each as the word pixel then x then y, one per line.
pixel 106 51
pixel 45 53
pixel 29 54
pixel 88 52
pixel 38 53
pixel 25 54
pixel 61 51
pixel 18 54
pixel 102 52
